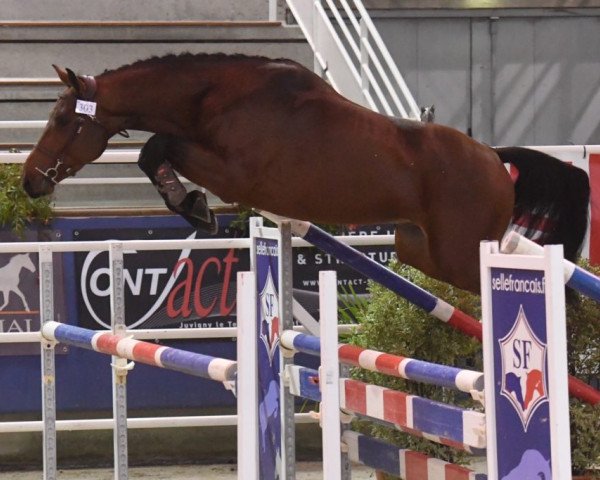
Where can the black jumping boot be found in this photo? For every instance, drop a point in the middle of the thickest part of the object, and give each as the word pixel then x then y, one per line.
pixel 192 206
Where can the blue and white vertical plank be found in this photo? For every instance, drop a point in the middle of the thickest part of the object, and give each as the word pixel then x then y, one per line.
pixel 523 304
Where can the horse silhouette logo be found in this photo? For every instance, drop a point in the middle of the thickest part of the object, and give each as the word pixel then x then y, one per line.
pixel 10 278
pixel 533 466
pixel 523 369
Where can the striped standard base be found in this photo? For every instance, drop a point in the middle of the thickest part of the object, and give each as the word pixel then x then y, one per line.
pixel 407 464
pixel 190 363
pixel 435 421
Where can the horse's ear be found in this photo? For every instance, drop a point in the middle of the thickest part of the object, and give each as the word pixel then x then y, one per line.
pixel 62 74
pixel 68 77
pixel 76 82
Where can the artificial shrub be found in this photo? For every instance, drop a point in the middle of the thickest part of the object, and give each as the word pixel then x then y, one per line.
pixel 17 209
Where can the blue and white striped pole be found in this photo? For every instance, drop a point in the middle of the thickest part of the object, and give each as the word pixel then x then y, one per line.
pixel 190 363
pixel 395 365
pixel 373 270
pixel 575 277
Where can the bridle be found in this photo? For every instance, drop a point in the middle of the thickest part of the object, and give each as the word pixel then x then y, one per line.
pixel 52 172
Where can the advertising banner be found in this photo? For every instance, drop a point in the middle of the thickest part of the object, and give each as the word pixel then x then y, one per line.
pixel 163 289
pixel 519 310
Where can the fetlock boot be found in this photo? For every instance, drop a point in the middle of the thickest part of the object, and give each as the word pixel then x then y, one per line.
pixel 192 206
pixel 169 185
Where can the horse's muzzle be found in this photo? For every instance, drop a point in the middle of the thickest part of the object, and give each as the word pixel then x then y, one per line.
pixel 38 187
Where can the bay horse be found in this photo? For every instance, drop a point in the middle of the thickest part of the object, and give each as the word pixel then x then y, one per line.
pixel 272 135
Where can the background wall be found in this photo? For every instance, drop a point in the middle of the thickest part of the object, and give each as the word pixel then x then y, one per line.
pixel 509 77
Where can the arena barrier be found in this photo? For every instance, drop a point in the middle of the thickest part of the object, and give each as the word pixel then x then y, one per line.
pixel 515 446
pixel 416 295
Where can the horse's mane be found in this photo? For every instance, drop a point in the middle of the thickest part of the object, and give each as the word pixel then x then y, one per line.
pixel 187 58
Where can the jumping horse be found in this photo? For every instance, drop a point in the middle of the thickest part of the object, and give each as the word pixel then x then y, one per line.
pixel 271 134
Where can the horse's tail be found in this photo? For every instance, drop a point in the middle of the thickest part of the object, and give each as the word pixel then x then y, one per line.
pixel 551 199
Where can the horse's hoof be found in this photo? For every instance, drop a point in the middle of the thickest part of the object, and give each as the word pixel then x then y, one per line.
pixel 211 227
pixel 195 205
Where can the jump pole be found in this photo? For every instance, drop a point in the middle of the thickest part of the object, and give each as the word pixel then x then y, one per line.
pixel 527 426
pixel 414 294
pixel 455 378
pixel 373 270
pixel 190 363
pixel 575 277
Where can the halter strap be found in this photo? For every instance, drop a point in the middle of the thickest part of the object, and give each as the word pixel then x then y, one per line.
pixel 52 172
pixel 89 93
pixel 90 87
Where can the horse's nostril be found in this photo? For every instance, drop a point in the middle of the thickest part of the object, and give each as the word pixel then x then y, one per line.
pixel 27 186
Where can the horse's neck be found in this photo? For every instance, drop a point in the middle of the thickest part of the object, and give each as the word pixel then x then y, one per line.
pixel 156 101
pixel 13 267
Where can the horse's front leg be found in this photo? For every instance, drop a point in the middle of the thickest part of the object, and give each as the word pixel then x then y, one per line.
pixel 192 206
pixel 5 297
pixel 22 297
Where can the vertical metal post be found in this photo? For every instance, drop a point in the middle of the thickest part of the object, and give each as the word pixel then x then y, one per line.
pixel 247 378
pixel 346 465
pixel 558 381
pixel 272 10
pixel 364 59
pixel 48 366
pixel 329 376
pixel 317 67
pixel 120 365
pixel 288 427
pixel 255 224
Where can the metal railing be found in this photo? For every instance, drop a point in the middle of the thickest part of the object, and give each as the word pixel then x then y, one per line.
pixel 351 55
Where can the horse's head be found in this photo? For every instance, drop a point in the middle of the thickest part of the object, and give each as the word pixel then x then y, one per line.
pixel 72 138
pixel 25 261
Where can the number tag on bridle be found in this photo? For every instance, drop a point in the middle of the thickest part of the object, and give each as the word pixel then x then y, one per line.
pixel 87 108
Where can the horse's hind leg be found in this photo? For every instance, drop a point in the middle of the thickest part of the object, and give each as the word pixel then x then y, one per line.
pixel 412 247
pixel 5 296
pixel 440 257
pixel 193 205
